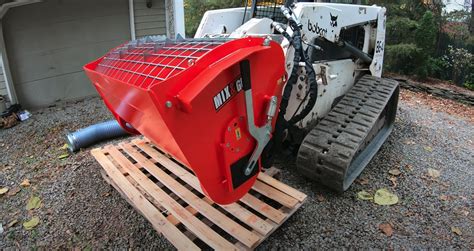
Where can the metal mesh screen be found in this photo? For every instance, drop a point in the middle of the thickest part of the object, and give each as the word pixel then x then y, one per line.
pixel 147 61
pixel 268 9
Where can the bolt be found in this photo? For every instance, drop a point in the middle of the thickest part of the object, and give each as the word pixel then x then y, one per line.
pixel 168 104
pixel 266 42
pixel 191 62
pixel 227 145
pixel 228 129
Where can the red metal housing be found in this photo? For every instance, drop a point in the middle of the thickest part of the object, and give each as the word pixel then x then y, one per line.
pixel 186 96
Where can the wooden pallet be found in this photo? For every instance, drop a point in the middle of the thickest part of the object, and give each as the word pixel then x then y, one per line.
pixel 169 196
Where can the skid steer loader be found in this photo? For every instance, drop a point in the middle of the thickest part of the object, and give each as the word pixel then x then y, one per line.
pixel 253 81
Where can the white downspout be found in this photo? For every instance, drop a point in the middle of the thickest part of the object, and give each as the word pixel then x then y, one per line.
pixel 178 9
pixel 6 68
pixel 132 19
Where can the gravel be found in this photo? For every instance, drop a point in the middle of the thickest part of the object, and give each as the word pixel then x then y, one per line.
pixel 79 209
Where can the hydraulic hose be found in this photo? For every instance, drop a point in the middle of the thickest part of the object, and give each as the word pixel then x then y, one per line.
pixel 274 145
pixel 93 134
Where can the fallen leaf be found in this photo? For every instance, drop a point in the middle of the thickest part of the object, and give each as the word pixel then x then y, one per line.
pixel 364 195
pixel 443 197
pixel 25 183
pixel 428 149
pixel 32 223
pixel 14 191
pixel 386 228
pixel 433 173
pixel 64 147
pixel 409 142
pixel 3 190
pixel 12 223
pixel 33 202
pixel 456 230
pixel 409 167
pixel 363 181
pixel 394 172
pixel 464 212
pixel 63 156
pixel 394 181
pixel 320 198
pixel 385 198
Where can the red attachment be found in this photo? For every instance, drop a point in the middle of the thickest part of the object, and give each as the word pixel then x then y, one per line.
pixel 186 96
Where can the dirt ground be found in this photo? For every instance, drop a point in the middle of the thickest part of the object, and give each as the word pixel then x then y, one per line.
pixel 431 150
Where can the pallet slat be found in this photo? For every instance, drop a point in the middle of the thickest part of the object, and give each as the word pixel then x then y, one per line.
pixel 218 218
pixel 153 215
pixel 169 195
pixel 192 223
pixel 238 211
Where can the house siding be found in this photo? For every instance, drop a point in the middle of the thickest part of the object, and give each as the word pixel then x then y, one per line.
pixel 49 42
pixel 3 86
pixel 150 21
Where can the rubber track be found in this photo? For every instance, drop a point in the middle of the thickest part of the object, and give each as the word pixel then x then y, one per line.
pixel 336 151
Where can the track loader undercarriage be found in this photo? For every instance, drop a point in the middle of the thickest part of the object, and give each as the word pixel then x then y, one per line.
pixel 336 151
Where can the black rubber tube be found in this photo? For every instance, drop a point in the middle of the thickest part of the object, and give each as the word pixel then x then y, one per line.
pixel 93 134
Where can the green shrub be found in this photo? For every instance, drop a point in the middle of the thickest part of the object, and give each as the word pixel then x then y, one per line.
pixel 425 34
pixel 400 30
pixel 403 58
pixel 439 68
pixel 461 65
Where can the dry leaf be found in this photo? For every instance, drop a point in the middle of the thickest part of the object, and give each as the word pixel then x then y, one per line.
pixel 64 147
pixel 363 195
pixel 456 230
pixel 409 142
pixel 14 191
pixel 32 223
pixel 385 198
pixel 363 181
pixel 3 190
pixel 464 212
pixel 394 172
pixel 25 183
pixel 428 149
pixel 433 173
pixel 12 223
pixel 33 203
pixel 386 228
pixel 443 197
pixel 394 181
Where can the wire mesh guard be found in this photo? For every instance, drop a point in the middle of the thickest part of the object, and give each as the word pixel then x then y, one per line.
pixel 150 60
pixel 269 9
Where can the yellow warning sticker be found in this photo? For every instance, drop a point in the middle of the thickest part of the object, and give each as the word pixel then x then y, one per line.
pixel 237 133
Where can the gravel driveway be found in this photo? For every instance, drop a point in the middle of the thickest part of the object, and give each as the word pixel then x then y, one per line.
pixel 78 209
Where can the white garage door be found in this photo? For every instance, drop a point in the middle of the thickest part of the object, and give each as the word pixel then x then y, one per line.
pixel 49 42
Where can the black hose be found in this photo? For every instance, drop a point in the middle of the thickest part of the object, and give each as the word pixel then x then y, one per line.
pixel 95 133
pixel 274 146
pixel 313 94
